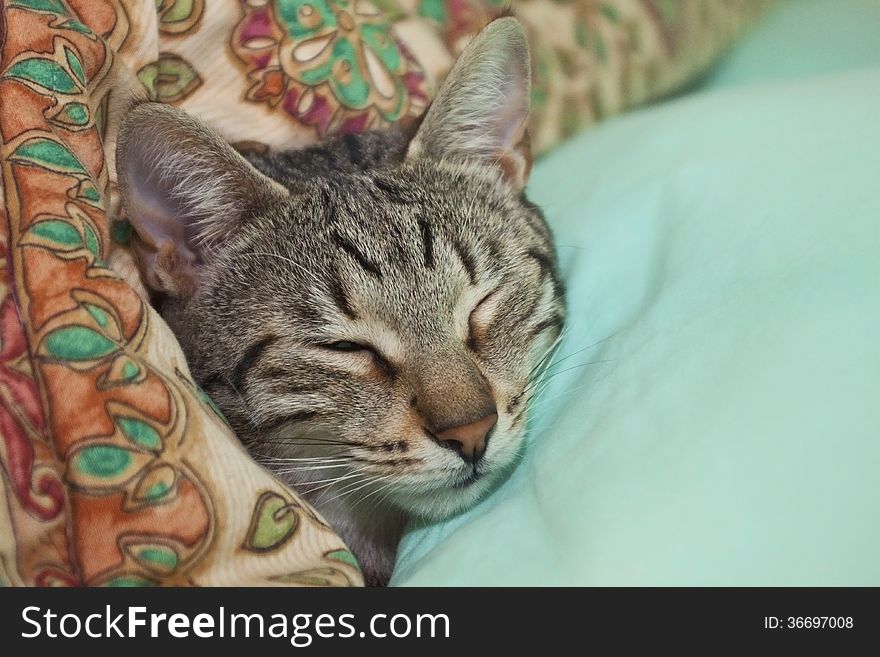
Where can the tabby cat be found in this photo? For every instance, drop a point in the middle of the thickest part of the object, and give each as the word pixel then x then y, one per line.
pixel 369 313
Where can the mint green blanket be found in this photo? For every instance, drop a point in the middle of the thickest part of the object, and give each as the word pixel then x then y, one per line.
pixel 713 417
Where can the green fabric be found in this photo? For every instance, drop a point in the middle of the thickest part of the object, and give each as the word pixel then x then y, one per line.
pixel 715 417
pixel 804 38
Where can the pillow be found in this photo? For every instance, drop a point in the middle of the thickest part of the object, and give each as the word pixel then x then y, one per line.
pixel 802 38
pixel 711 417
pixel 290 72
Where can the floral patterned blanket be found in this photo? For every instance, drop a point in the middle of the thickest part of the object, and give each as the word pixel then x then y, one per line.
pixel 117 470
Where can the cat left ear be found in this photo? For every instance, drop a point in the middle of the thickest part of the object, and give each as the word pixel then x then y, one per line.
pixel 481 110
pixel 184 190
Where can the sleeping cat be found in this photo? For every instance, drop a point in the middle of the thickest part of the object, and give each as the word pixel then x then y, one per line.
pixel 369 313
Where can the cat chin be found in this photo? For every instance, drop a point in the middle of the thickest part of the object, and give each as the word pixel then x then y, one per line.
pixel 443 503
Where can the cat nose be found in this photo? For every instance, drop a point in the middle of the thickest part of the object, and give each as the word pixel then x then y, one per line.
pixel 468 440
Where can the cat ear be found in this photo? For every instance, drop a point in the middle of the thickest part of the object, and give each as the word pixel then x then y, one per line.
pixel 481 109
pixel 184 191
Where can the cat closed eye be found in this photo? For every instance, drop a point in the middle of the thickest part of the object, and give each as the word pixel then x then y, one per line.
pixel 344 345
pixel 478 320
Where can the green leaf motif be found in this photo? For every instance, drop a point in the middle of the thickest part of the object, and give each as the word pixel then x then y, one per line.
pixel 610 12
pixel 139 432
pixel 75 65
pixel 435 9
pixel 391 10
pixel 157 490
pixel 74 114
pixel 178 16
pixel 380 41
pixel 169 79
pixel 343 556
pixel 99 315
pixel 669 9
pixel 102 461
pixel 129 581
pixel 180 10
pixel 101 115
pixel 320 17
pixel 78 343
pixel 352 90
pixel 88 192
pixel 76 26
pixel 273 523
pixel 157 557
pixel 581 35
pixel 58 231
pixel 601 51
pixel 210 403
pixel 53 6
pixel 156 484
pixel 48 154
pixel 44 72
pixel 92 243
pixel 130 370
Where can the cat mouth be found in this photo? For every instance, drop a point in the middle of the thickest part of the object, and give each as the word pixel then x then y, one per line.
pixel 473 477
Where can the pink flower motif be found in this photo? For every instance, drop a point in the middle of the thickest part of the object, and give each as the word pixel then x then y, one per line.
pixel 22 422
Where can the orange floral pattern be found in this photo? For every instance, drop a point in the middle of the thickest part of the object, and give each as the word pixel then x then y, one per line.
pixel 117 469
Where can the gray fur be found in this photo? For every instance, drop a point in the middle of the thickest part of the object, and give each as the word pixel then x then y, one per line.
pixel 439 263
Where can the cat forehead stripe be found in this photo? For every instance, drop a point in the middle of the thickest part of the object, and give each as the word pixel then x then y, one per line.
pixel 427 242
pixel 339 294
pixel 366 264
pixel 547 269
pixel 248 360
pixel 467 259
pixel 556 322
pixel 289 418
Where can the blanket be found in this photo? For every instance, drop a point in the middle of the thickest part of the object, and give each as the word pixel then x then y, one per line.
pixel 117 470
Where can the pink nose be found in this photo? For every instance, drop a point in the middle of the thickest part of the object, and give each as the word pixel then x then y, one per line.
pixel 469 440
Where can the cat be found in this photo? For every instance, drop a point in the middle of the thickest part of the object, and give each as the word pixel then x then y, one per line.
pixel 369 313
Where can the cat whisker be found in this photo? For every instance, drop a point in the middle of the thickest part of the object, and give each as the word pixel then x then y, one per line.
pixel 534 389
pixel 280 257
pixel 282 463
pixel 244 404
pixel 547 374
pixel 305 468
pixel 582 349
pixel 382 489
pixel 307 434
pixel 358 486
pixel 304 440
pixel 553 375
pixel 538 416
pixel 309 459
pixel 353 487
pixel 544 362
pixel 325 483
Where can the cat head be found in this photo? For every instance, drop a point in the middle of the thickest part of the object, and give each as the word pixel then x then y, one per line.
pixel 370 311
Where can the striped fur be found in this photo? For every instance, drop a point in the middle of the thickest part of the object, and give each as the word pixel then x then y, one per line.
pixel 430 257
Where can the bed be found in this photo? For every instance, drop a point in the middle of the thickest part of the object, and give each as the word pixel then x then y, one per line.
pixel 712 418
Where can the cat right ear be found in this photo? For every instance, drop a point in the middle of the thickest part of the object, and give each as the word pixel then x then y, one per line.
pixel 480 111
pixel 184 191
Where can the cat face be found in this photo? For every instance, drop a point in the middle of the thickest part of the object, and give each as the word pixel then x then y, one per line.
pixel 393 337
pixel 369 313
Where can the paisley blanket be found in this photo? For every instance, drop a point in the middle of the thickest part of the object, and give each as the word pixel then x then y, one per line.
pixel 117 470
